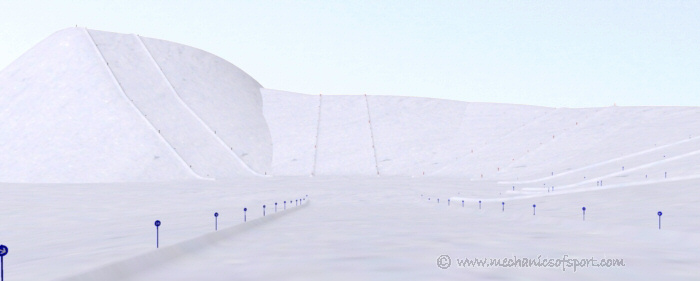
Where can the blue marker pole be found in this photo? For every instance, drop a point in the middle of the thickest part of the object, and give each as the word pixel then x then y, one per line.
pixel 479 204
pixel 448 202
pixel 285 205
pixel 659 213
pixel 275 207
pixel 263 210
pixel 503 208
pixel 462 203
pixel 216 221
pixel 584 213
pixel 533 209
pixel 438 200
pixel 157 223
pixel 297 202
pixel 3 252
pixel 244 215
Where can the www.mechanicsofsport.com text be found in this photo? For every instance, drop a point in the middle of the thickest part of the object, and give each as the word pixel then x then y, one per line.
pixel 445 262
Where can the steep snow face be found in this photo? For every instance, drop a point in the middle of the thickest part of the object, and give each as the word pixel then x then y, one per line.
pixel 223 96
pixel 90 106
pixel 64 119
pixel 293 121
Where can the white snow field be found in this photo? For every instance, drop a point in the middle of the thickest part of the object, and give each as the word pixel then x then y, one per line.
pixel 104 133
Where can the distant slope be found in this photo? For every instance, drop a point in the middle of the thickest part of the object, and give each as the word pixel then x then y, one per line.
pixel 480 141
pixel 409 136
pixel 608 134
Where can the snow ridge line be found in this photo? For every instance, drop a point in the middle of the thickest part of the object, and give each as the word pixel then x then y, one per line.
pixel 601 163
pixel 371 135
pixel 632 169
pixel 136 108
pixel 577 190
pixel 130 267
pixel 229 149
pixel 318 128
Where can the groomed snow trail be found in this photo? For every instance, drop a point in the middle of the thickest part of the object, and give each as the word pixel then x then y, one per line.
pixel 402 235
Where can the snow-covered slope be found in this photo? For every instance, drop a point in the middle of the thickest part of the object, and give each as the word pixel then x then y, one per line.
pixel 345 144
pixel 409 136
pixel 223 96
pixel 65 120
pixel 293 121
pixel 91 106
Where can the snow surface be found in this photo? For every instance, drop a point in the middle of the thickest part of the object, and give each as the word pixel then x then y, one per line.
pixel 86 106
pixel 353 228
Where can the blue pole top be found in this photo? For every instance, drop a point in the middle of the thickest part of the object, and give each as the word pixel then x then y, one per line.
pixel 3 250
pixel 659 213
pixel 275 203
pixel 533 205
pixel 216 214
pixel 245 209
pixel 584 208
pixel 503 203
pixel 263 206
pixel 157 223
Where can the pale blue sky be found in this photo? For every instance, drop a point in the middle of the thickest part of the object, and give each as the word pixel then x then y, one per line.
pixel 551 53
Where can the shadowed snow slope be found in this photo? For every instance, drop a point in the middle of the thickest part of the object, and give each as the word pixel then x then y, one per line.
pixel 91 106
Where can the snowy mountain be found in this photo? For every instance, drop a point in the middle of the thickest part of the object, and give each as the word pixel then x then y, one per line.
pixel 93 106
pixel 104 133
